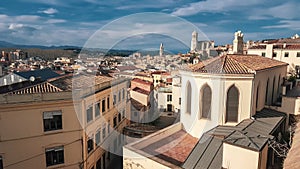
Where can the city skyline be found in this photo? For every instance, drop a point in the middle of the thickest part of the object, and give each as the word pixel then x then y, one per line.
pixel 72 23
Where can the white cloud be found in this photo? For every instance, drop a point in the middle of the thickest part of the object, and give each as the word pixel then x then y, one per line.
pixel 288 24
pixel 143 24
pixel 53 21
pixel 47 2
pixel 258 17
pixel 27 18
pixel 20 18
pixel 214 6
pixel 49 11
pixel 14 26
pixel 287 10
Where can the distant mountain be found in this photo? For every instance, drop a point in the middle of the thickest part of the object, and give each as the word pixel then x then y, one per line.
pixel 107 52
pixel 4 44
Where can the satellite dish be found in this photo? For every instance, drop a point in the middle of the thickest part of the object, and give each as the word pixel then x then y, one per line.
pixel 32 78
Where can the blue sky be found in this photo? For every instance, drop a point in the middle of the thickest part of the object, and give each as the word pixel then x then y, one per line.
pixel 73 22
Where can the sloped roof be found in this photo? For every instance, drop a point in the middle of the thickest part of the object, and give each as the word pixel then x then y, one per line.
pixel 250 134
pixel 256 134
pixel 145 82
pixel 63 83
pixel 258 47
pixel 43 74
pixel 278 46
pixel 142 91
pixel 44 87
pixel 236 64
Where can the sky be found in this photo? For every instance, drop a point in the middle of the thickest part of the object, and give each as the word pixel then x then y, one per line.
pixel 76 22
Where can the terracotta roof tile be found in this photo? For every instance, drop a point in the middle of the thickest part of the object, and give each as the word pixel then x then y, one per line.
pixel 174 148
pixel 236 64
pixel 63 83
pixel 142 81
pixel 258 47
pixel 137 89
pixel 291 47
pixel 38 88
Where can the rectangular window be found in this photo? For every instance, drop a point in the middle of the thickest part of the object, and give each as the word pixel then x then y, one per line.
pixel 97 138
pixel 108 102
pixel 115 121
pixel 52 120
pixel 123 113
pixel 274 55
pixel 97 109
pixel 108 126
pixel 119 96
pixel 263 54
pixel 103 132
pixel 54 156
pixel 90 145
pixel 179 100
pixel 115 99
pixel 286 54
pixel 298 54
pixel 103 105
pixel 169 98
pixel 119 117
pixel 89 114
pixel 123 94
pixel 98 164
pixel 1 162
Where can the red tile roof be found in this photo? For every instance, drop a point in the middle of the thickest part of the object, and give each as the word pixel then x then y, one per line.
pixel 64 83
pixel 169 80
pixel 289 40
pixel 293 47
pixel 174 148
pixel 258 47
pixel 142 81
pixel 137 89
pixel 236 64
pixel 278 46
pixel 38 88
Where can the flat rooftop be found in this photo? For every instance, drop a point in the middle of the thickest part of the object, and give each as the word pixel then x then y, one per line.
pixel 295 92
pixel 174 148
pixel 170 146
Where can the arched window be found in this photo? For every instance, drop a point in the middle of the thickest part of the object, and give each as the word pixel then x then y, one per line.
pixel 188 98
pixel 267 91
pixel 205 102
pixel 232 104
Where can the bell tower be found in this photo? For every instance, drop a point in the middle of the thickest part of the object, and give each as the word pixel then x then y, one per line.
pixel 161 49
pixel 194 41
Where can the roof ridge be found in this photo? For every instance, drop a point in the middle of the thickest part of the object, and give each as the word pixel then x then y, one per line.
pixel 242 64
pixel 223 64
